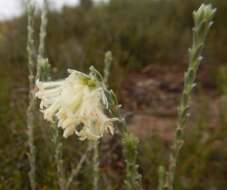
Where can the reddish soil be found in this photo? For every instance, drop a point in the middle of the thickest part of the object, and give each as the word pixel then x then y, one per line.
pixel 151 97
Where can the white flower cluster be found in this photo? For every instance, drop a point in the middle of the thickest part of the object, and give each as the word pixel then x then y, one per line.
pixel 77 103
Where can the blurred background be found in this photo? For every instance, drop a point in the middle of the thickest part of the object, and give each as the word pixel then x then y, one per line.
pixel 149 40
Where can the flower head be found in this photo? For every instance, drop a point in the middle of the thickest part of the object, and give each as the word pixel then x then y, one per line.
pixel 78 103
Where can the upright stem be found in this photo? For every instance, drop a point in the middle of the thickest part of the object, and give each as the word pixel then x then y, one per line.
pixel 43 71
pixel 133 180
pixel 43 29
pixel 107 66
pixel 58 158
pixel 108 62
pixel 203 21
pixel 76 171
pixel 34 68
pixel 161 177
pixel 31 105
pixel 42 66
pixel 95 165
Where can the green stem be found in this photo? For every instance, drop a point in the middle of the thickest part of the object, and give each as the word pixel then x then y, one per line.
pixel 31 105
pixel 95 165
pixel 107 62
pixel 43 29
pixel 133 180
pixel 203 21
pixel 42 67
pixel 161 177
pixel 58 158
pixel 76 171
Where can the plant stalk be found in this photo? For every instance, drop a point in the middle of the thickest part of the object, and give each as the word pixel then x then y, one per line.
pixel 31 104
pixel 203 21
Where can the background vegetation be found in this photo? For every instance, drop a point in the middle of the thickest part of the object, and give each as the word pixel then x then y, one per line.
pixel 142 34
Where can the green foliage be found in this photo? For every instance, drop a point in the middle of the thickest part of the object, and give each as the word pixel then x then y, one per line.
pixel 130 152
